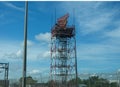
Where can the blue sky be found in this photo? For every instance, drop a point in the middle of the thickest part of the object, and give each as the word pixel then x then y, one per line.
pixel 97 28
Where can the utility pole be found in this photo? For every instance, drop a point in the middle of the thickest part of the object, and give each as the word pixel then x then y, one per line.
pixel 25 45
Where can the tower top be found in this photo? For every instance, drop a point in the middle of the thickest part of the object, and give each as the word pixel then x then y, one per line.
pixel 62 21
pixel 61 29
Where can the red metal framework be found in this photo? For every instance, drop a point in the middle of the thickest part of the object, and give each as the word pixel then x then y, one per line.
pixel 63 55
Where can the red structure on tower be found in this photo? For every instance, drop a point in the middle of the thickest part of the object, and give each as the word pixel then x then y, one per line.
pixel 63 68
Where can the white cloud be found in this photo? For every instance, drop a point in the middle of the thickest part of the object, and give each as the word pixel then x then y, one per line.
pixel 10 50
pixel 14 50
pixel 98 4
pixel 118 70
pixel 114 33
pixel 94 25
pixel 89 16
pixel 42 7
pixel 101 52
pixel 43 37
pixel 19 53
pixel 29 43
pixel 11 5
pixel 13 55
pixel 34 71
pixel 94 21
pixel 37 50
pixel 46 54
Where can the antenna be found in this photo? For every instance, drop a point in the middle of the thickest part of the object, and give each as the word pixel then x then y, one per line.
pixel 73 16
pixel 55 15
pixel 51 20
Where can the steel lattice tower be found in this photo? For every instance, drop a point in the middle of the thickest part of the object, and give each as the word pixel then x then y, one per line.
pixel 5 66
pixel 63 54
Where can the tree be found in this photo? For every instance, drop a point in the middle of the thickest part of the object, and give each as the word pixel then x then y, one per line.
pixel 29 80
pixel 73 81
pixel 93 81
pixel 113 84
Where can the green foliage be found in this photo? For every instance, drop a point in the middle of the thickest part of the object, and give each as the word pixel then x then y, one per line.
pixel 113 84
pixel 95 81
pixel 29 80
